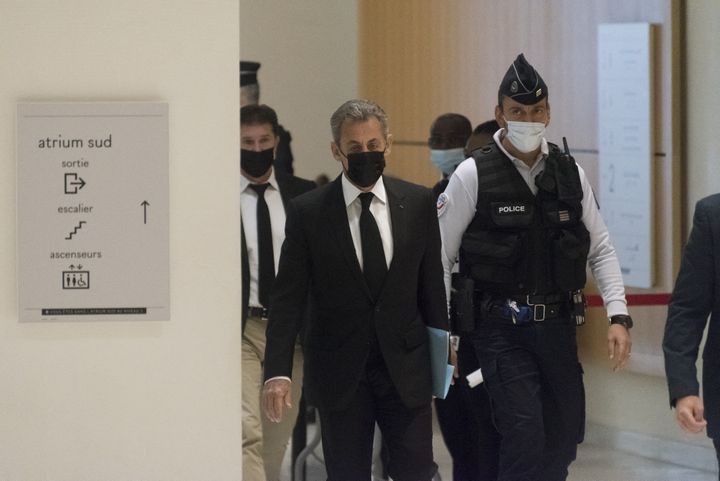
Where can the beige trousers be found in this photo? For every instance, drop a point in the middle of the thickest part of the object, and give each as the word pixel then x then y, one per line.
pixel 264 443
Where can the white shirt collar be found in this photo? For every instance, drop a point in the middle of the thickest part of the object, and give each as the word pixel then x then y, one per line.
pixel 245 182
pixel 350 192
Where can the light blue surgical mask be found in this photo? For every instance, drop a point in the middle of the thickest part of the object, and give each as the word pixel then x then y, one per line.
pixel 447 160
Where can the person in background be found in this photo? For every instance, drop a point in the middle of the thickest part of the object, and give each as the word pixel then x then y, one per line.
pixel 250 95
pixel 448 135
pixel 481 136
pixel 264 193
pixel 322 179
pixel 695 297
pixel 366 247
pixel 464 415
pixel 523 219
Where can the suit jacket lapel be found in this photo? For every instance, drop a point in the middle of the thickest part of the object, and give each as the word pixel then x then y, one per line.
pixel 340 230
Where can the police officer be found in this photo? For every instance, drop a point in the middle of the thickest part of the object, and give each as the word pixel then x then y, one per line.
pixel 522 218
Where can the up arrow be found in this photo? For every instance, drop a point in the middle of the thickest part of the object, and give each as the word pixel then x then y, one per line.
pixel 145 205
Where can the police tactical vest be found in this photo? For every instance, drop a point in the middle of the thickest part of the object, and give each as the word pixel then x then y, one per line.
pixel 520 243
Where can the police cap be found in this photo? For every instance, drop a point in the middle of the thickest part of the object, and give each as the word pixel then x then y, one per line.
pixel 248 72
pixel 522 83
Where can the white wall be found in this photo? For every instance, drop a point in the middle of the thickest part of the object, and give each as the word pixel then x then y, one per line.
pixel 308 52
pixel 703 105
pixel 133 400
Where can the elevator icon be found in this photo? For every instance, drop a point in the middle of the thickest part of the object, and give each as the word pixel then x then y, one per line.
pixel 76 280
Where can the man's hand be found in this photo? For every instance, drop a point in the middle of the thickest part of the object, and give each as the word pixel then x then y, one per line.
pixel 619 345
pixel 276 394
pixel 454 362
pixel 690 414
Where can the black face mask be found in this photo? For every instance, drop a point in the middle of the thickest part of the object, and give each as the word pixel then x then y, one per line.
pixel 255 164
pixel 365 168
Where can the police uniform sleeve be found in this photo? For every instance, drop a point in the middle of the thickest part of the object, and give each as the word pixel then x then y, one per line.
pixel 602 257
pixel 456 209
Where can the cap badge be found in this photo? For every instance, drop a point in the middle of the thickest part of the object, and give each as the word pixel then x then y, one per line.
pixel 513 86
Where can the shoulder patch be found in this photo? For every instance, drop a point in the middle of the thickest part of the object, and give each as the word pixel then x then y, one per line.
pixel 442 201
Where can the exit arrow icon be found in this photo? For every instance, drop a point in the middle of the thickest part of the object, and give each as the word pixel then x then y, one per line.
pixel 73 183
pixel 145 205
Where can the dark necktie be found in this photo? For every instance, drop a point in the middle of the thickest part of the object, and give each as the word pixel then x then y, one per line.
pixel 266 261
pixel 374 265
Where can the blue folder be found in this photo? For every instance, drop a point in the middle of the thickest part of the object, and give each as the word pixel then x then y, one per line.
pixel 442 371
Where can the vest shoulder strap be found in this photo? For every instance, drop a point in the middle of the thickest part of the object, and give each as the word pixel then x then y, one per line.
pixel 495 171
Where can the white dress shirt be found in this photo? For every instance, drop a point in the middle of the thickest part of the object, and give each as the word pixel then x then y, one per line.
pixel 380 210
pixel 248 211
pixel 456 209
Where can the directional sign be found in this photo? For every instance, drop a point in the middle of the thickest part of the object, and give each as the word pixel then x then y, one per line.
pixel 93 211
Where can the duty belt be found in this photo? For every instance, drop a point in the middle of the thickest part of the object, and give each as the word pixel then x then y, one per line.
pixel 523 313
pixel 260 312
pixel 537 299
pixel 528 308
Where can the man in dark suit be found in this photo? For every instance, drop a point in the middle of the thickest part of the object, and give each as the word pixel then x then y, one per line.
pixel 366 247
pixel 264 192
pixel 696 295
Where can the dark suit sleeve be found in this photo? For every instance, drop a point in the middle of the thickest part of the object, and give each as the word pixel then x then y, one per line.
pixel 431 295
pixel 288 301
pixel 689 308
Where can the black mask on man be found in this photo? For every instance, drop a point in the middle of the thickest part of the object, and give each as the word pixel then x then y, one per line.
pixel 365 168
pixel 255 164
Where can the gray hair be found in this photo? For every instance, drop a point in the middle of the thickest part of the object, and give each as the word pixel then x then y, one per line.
pixel 357 110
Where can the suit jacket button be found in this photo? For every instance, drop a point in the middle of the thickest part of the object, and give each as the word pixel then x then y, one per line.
pixel 377 309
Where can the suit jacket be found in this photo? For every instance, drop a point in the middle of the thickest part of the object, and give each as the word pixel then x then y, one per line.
pixel 697 295
pixel 290 186
pixel 318 257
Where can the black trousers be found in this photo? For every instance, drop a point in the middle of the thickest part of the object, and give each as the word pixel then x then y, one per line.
pixel 466 424
pixel 716 443
pixel 347 434
pixel 535 384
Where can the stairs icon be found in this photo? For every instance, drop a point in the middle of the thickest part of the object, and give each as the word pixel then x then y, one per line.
pixel 77 228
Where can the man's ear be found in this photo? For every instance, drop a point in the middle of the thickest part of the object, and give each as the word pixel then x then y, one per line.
pixel 499 117
pixel 388 144
pixel 335 152
pixel 277 143
pixel 548 115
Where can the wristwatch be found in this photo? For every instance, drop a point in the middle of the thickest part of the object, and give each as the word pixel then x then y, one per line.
pixel 622 319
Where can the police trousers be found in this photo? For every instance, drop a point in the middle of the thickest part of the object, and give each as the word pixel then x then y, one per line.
pixel 535 384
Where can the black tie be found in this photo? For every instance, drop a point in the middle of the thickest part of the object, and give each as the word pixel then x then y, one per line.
pixel 374 265
pixel 266 270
